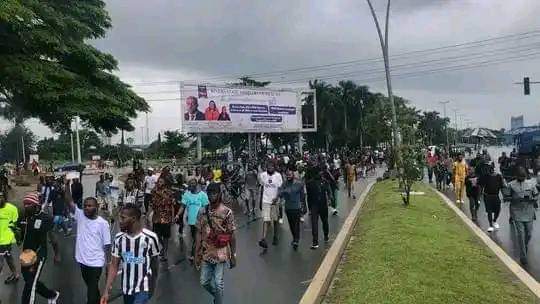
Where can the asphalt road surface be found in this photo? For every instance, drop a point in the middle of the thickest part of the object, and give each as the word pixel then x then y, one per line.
pixel 279 276
pixel 505 236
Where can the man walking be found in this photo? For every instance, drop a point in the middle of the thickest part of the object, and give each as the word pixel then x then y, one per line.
pixel 270 181
pixel 36 229
pixel 8 219
pixel 77 192
pixel 216 243
pixel 492 183
pixel 92 246
pixel 138 249
pixel 524 195
pixel 459 172
pixel 101 192
pixel 293 194
pixel 317 193
pixel 163 201
pixel 149 183
pixel 252 190
pixel 193 200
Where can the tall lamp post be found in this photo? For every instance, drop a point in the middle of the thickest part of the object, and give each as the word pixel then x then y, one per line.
pixel 396 136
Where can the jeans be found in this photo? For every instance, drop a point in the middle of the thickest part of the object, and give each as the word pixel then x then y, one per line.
pixel 523 236
pixel 147 201
pixel 142 297
pixel 293 217
pixel 316 212
pixel 212 279
pixel 193 230
pixel 333 199
pixel 91 277
pixel 430 173
pixel 32 284
pixel 473 206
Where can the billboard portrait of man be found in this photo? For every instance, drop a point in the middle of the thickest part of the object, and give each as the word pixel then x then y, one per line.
pixel 192 106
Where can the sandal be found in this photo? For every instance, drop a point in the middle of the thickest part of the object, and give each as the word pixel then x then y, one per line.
pixel 11 279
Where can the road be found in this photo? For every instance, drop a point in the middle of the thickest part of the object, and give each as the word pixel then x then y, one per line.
pixel 505 236
pixel 279 276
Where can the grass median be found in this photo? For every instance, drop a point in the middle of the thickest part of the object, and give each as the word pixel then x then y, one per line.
pixel 419 254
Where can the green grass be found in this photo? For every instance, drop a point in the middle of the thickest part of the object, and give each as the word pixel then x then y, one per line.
pixel 419 254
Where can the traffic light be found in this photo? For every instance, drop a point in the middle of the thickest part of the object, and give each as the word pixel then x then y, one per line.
pixel 526 86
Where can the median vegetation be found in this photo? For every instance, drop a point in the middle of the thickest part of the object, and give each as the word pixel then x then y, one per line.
pixel 421 253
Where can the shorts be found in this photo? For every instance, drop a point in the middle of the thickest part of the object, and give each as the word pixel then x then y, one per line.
pixel 270 213
pixel 5 250
pixel 162 230
pixel 58 219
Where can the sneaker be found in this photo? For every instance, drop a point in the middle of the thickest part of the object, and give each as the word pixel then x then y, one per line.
pixel 301 219
pixel 294 246
pixel 326 239
pixel 314 246
pixel 53 300
pixel 490 229
pixel 496 226
pixel 335 212
pixel 263 244
pixel 280 221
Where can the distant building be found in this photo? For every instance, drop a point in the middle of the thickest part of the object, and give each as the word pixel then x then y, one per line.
pixel 516 122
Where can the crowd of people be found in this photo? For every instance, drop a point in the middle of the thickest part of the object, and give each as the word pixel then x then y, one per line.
pixel 515 182
pixel 200 200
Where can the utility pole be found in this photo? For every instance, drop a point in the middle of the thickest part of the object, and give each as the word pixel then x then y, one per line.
pixel 455 126
pixel 396 136
pixel 147 130
pixel 444 103
pixel 72 148
pixel 23 152
pixel 78 140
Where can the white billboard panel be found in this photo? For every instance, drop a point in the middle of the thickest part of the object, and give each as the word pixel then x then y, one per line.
pixel 223 109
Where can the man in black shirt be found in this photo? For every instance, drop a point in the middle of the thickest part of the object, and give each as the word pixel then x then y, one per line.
pixel 317 192
pixel 492 183
pixel 36 229
pixel 77 192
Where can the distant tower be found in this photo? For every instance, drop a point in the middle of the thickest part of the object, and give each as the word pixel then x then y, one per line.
pixel 516 122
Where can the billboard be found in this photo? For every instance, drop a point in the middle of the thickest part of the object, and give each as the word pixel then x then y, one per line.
pixel 225 109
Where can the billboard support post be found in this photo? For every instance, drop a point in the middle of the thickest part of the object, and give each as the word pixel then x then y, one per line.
pixel 199 147
pixel 300 148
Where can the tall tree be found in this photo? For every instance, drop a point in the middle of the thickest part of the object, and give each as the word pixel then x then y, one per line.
pixel 11 144
pixel 48 71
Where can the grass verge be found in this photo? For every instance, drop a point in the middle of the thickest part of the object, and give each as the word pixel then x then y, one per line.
pixel 419 254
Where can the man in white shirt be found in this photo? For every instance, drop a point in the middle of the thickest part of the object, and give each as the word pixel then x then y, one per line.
pixel 149 183
pixel 270 181
pixel 92 246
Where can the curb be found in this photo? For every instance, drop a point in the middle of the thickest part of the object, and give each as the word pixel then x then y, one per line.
pixel 514 267
pixel 323 277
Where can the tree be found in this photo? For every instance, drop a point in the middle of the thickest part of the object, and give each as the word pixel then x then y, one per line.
pixel 412 169
pixel 175 144
pixel 11 144
pixel 432 128
pixel 60 148
pixel 48 71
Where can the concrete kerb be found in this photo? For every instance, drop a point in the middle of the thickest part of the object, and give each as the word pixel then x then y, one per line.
pixel 514 267
pixel 320 283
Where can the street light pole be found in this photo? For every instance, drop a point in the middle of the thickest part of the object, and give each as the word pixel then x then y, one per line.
pixel 384 46
pixel 78 140
pixel 444 103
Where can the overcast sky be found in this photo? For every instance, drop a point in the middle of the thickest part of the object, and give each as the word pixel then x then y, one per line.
pixel 163 40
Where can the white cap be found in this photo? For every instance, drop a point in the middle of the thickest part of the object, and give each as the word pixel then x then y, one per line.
pixel 150 169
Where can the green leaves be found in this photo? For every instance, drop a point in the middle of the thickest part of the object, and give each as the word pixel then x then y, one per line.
pixel 48 71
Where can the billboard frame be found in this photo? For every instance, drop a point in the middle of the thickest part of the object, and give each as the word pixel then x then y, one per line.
pixel 299 93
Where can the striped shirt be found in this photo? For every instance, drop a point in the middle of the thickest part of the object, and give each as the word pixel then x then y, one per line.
pixel 136 253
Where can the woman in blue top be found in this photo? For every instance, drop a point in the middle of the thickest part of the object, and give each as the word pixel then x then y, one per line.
pixel 192 200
